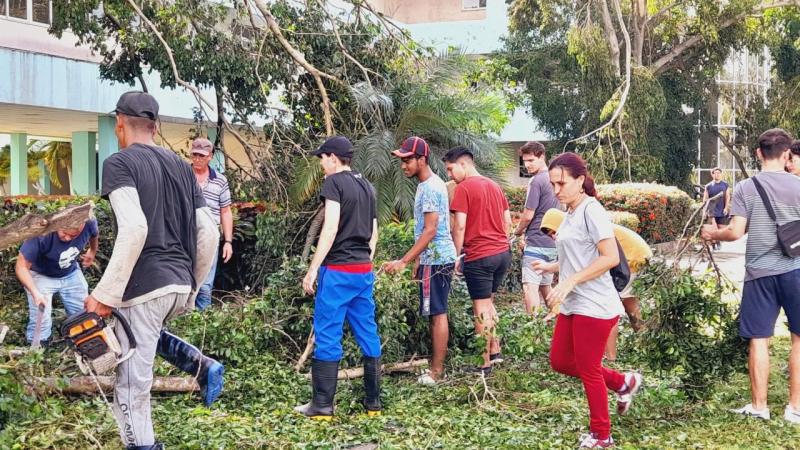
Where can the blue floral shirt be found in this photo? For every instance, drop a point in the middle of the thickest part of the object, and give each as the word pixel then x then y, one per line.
pixel 432 197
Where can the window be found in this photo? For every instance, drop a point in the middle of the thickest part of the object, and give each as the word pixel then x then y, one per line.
pixel 473 4
pixel 41 11
pixel 18 9
pixel 38 11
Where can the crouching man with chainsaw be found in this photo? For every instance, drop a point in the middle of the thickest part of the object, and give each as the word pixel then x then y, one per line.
pixel 48 265
pixel 164 246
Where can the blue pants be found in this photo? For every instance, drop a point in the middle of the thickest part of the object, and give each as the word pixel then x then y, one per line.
pixel 203 299
pixel 72 289
pixel 340 296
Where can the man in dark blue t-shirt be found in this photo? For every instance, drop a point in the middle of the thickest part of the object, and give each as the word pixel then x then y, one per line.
pixel 719 208
pixel 48 265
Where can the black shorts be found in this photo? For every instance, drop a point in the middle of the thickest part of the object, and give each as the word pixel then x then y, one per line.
pixel 434 288
pixel 762 300
pixel 485 275
pixel 722 220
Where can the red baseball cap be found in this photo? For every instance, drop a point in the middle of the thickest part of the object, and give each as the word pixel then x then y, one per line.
pixel 413 146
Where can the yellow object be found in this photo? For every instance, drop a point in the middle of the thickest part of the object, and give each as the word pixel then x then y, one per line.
pixel 326 418
pixel 636 250
pixel 373 413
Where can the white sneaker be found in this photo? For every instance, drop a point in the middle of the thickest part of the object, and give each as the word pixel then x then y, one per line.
pixel 590 441
pixel 426 379
pixel 791 415
pixel 749 411
pixel 633 382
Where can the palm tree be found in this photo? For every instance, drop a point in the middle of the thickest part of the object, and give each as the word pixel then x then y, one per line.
pixel 55 155
pixel 437 104
pixel 5 165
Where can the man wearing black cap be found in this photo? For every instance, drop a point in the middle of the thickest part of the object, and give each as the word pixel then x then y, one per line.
pixel 343 262
pixel 163 249
pixel 481 229
pixel 433 252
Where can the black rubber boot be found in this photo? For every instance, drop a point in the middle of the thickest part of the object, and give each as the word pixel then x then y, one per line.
pixel 324 375
pixel 191 360
pixel 372 386
pixel 156 446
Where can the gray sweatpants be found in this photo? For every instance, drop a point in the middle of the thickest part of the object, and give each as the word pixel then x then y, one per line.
pixel 135 376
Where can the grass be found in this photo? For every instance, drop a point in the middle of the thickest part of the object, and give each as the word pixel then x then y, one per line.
pixel 522 405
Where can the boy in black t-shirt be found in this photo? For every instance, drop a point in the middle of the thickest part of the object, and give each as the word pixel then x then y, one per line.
pixel 343 261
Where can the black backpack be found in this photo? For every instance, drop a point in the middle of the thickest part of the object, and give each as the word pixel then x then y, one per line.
pixel 621 273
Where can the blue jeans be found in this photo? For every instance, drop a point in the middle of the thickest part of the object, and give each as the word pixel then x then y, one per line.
pixel 203 299
pixel 344 296
pixel 72 289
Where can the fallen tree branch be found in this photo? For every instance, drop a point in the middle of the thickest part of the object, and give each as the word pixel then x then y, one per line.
pixel 357 372
pixel 306 352
pixel 85 385
pixel 32 225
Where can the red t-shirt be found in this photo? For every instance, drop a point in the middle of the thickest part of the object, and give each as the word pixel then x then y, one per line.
pixel 484 203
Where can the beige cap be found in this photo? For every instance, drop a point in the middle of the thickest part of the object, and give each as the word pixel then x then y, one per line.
pixel 202 146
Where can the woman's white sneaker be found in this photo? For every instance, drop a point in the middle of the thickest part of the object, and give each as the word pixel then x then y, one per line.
pixel 749 411
pixel 633 382
pixel 591 441
pixel 791 415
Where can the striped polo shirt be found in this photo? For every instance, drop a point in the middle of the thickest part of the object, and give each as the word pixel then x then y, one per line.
pixel 216 192
pixel 763 255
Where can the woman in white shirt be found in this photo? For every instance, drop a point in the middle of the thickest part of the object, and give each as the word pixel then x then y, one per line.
pixel 590 304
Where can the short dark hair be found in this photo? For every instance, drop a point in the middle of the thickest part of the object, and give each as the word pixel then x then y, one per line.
pixel 532 148
pixel 342 159
pixel 795 148
pixel 455 153
pixel 716 169
pixel 139 123
pixel 774 142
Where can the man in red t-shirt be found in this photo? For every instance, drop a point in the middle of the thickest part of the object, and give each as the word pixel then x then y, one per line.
pixel 481 228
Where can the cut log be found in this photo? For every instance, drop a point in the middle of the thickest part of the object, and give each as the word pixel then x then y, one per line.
pixel 86 385
pixel 358 372
pixel 32 225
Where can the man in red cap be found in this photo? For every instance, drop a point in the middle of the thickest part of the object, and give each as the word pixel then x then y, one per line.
pixel 433 253
pixel 218 198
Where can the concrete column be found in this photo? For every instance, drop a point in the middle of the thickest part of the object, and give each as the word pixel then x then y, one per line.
pixel 84 163
pixel 19 163
pixel 107 143
pixel 44 178
pixel 218 161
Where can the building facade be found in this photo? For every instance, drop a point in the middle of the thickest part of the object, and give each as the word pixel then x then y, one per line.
pixel 51 91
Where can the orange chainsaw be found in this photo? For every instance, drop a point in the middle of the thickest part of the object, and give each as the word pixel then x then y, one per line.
pixel 96 346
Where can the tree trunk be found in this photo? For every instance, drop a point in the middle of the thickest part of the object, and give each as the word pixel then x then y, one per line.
pixel 85 385
pixel 313 231
pixel 611 36
pixel 32 225
pixel 358 372
pixel 638 28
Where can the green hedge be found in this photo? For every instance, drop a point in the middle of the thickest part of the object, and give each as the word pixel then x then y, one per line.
pixel 662 210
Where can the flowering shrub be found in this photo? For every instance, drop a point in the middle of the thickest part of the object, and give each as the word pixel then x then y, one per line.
pixel 662 210
pixel 625 219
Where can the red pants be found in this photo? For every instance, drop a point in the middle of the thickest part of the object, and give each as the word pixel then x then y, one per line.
pixel 577 351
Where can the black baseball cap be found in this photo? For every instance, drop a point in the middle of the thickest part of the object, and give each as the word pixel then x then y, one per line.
pixel 336 145
pixel 137 104
pixel 413 146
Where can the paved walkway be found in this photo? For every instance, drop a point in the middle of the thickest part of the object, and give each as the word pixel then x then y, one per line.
pixel 730 259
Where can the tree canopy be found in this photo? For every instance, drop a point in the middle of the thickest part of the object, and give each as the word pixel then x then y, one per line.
pixel 628 80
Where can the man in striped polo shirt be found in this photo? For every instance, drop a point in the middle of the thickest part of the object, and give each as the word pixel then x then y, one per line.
pixel 772 279
pixel 218 198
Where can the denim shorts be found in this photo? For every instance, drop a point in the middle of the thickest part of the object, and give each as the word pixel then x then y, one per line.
pixel 762 300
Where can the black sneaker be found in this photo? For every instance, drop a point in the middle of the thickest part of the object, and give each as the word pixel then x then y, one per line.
pixel 482 371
